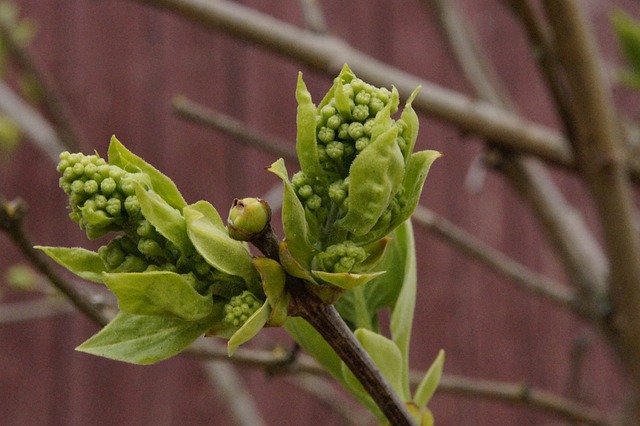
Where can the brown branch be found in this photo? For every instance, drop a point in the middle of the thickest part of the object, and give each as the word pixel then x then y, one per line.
pixel 494 259
pixel 504 392
pixel 599 148
pixel 581 254
pixel 522 394
pixel 328 53
pixel 313 16
pixel 12 215
pixel 202 115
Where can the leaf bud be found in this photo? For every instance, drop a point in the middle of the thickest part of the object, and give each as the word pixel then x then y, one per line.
pixel 248 218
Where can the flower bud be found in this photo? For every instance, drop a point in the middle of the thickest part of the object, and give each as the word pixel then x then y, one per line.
pixel 248 218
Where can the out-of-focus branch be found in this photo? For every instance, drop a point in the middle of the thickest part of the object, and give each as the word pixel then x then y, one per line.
pixel 12 215
pixel 36 127
pixel 56 107
pixel 328 53
pixel 581 255
pixel 599 149
pixel 517 393
pixel 199 114
pixel 42 307
pixel 313 16
pixel 494 259
pixel 472 63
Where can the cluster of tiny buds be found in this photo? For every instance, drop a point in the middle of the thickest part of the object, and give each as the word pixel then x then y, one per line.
pixel 99 194
pixel 342 257
pixel 240 308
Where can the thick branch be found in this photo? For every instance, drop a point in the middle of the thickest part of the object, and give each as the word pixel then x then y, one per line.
pixel 328 53
pixel 599 147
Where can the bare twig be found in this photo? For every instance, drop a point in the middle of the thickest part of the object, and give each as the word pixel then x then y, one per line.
pixel 504 392
pixel 39 308
pixel 199 114
pixel 522 394
pixel 599 147
pixel 67 129
pixel 11 222
pixel 582 256
pixel 31 122
pixel 313 16
pixel 494 259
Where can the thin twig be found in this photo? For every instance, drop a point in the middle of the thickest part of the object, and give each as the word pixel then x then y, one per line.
pixel 581 254
pixel 522 394
pixel 229 385
pixel 12 215
pixel 199 114
pixel 36 127
pixel 494 259
pixel 42 307
pixel 67 129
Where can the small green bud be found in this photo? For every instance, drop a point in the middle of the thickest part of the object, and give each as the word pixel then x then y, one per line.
pixel 248 218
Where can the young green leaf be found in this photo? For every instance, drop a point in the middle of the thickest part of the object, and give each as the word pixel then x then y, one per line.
pixel 346 280
pixel 249 329
pixel 410 119
pixel 216 247
pixel 143 339
pixel 306 136
pixel 404 308
pixel 166 219
pixel 385 355
pixel 374 177
pixel 293 220
pixel 160 293
pixel 122 157
pixel 82 262
pixel 429 383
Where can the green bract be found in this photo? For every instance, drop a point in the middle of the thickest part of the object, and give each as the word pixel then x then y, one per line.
pixel 359 180
pixel 173 267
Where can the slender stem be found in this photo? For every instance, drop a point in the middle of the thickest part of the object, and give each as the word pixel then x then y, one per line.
pixel 326 320
pixel 12 223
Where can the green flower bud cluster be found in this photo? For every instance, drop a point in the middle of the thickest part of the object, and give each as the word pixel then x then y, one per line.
pixel 359 176
pixel 240 308
pixel 101 196
pixel 341 257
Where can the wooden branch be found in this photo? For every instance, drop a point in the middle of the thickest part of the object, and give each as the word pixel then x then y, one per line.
pixel 581 255
pixel 328 53
pixel 12 215
pixel 497 261
pixel 522 394
pixel 200 114
pixel 599 149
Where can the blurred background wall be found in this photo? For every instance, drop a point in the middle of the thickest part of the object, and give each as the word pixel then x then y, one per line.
pixel 120 63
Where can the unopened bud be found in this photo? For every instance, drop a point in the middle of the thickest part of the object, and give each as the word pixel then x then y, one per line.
pixel 248 218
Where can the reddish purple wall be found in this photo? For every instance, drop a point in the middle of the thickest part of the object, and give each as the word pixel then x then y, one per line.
pixel 119 64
